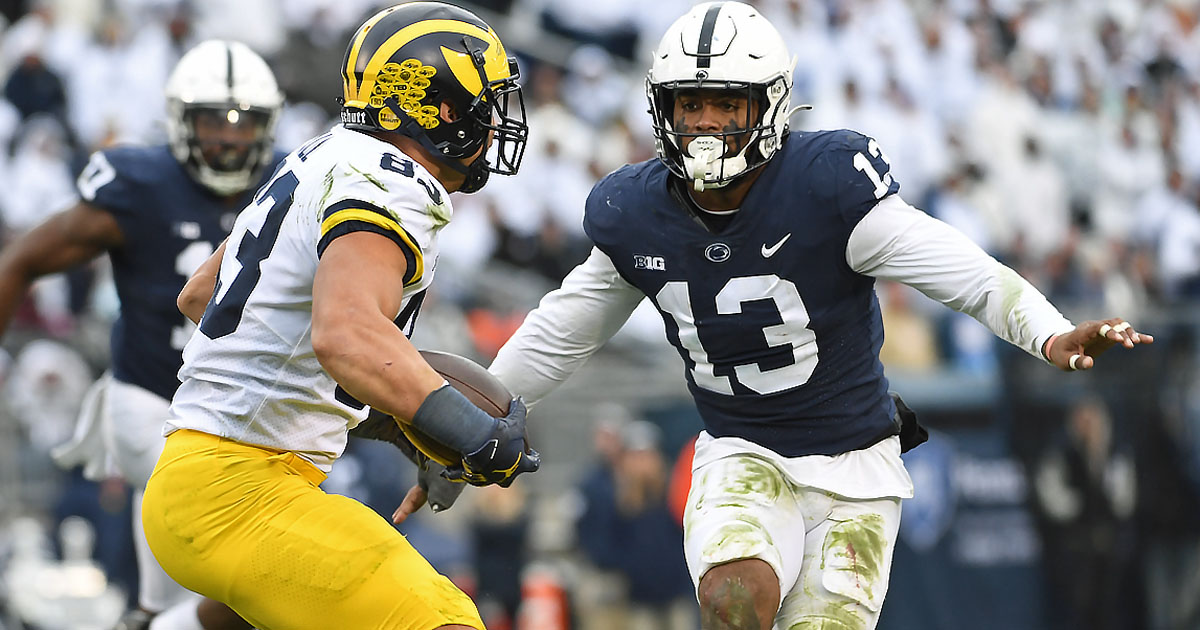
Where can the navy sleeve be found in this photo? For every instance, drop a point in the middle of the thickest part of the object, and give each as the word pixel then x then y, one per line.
pixel 600 210
pixel 854 175
pixel 109 181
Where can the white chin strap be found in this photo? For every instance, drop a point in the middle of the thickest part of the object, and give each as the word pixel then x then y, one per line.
pixel 704 160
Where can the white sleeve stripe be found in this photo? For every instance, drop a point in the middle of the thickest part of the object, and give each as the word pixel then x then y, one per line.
pixel 895 241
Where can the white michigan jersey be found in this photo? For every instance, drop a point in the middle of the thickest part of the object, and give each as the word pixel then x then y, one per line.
pixel 249 371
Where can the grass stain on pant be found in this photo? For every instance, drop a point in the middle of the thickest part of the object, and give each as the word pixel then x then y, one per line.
pixel 855 549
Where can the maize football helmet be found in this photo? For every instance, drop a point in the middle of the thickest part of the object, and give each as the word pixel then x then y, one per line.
pixel 222 107
pixel 722 46
pixel 409 64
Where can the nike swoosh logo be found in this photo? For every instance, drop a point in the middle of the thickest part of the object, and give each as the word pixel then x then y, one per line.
pixel 767 252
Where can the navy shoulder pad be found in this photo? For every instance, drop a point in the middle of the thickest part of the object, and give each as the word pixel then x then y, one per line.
pixel 850 172
pixel 113 175
pixel 614 198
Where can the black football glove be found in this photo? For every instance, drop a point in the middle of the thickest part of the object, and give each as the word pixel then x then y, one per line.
pixel 440 489
pixel 503 456
pixel 382 427
pixel 912 434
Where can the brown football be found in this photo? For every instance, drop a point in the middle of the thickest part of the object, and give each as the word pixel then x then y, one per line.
pixel 472 381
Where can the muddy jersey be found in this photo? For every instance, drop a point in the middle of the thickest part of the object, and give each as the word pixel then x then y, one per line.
pixel 250 372
pixel 779 336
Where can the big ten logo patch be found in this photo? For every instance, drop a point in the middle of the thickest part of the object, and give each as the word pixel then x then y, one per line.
pixel 653 263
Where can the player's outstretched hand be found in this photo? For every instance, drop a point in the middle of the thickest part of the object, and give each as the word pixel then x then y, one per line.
pixel 1078 349
pixel 503 456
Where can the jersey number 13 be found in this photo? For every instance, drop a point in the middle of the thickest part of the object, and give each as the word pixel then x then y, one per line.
pixel 794 332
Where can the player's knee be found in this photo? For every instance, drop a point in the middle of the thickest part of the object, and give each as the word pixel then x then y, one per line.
pixel 729 614
pixel 743 595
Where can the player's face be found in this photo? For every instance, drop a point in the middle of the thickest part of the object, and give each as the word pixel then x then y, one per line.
pixel 708 111
pixel 226 137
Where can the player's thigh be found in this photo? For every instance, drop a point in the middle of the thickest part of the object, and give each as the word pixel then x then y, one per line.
pixel 847 563
pixel 742 507
pixel 253 530
pixel 337 564
pixel 133 426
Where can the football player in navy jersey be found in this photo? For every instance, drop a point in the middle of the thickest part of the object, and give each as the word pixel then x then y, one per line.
pixel 760 249
pixel 159 212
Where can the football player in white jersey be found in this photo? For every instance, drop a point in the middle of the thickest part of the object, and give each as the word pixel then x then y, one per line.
pixel 315 290
pixel 760 249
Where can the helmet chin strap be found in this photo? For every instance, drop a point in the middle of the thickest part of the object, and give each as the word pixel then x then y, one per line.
pixel 476 172
pixel 705 152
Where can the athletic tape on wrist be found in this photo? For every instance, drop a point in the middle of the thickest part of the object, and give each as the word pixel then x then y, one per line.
pixel 448 417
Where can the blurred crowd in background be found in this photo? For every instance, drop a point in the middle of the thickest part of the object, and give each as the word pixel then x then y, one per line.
pixel 1063 136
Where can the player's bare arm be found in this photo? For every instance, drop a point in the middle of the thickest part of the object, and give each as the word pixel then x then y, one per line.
pixel 69 238
pixel 356 293
pixel 199 288
pixel 357 343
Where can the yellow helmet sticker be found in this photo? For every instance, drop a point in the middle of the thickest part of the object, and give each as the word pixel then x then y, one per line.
pixel 388 119
pixel 407 81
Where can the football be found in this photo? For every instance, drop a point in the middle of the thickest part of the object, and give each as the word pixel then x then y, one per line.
pixel 472 381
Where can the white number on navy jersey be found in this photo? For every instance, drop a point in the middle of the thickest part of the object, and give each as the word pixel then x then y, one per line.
pixel 95 175
pixel 861 163
pixel 673 299
pixel 794 331
pixel 186 263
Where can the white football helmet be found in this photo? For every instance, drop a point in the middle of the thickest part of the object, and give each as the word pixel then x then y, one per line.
pixel 726 46
pixel 226 82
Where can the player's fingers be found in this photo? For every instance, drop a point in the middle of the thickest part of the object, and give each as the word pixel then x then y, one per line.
pixel 1124 333
pixel 1131 335
pixel 1080 362
pixel 1115 330
pixel 412 502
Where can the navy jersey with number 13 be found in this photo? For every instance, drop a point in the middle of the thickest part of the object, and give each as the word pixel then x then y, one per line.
pixel 780 337
pixel 171 224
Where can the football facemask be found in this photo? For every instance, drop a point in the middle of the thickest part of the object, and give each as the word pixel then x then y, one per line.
pixel 222 105
pixel 721 46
